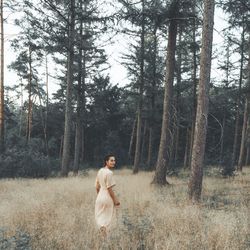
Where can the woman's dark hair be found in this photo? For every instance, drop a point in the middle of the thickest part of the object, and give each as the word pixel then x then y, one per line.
pixel 106 158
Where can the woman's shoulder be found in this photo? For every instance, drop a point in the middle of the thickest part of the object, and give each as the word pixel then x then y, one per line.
pixel 108 171
pixel 100 170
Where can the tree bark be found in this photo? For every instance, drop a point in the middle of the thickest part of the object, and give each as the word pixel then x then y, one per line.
pixel 178 83
pixel 186 155
pixel 238 102
pixel 144 139
pixel 243 137
pixel 150 147
pixel 79 125
pixel 131 143
pixel 163 155
pixel 247 156
pixel 21 108
pixel 246 120
pixel 152 103
pixel 68 111
pixel 43 122
pixel 29 118
pixel 222 139
pixel 195 182
pixel 83 100
pixel 47 106
pixel 152 117
pixel 194 87
pixel 61 148
pixel 2 146
pixel 140 103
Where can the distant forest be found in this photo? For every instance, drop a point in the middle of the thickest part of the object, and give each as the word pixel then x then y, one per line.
pixel 146 123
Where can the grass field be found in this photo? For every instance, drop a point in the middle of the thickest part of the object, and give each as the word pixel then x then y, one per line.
pixel 58 213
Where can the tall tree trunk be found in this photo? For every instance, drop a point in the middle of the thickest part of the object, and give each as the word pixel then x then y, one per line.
pixel 178 83
pixel 186 154
pixel 163 155
pixel 47 106
pixel 247 156
pixel 194 87
pixel 144 139
pixel 243 136
pixel 61 148
pixel 195 183
pixel 222 139
pixel 68 111
pixel 150 147
pixel 29 118
pixel 238 102
pixel 152 117
pixel 43 121
pixel 21 108
pixel 1 80
pixel 246 120
pixel 140 103
pixel 83 99
pixel 247 141
pixel 82 145
pixel 132 137
pixel 79 125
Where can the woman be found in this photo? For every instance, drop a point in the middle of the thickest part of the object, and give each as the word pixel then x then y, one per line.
pixel 106 199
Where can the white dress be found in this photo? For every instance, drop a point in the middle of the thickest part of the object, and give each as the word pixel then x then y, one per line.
pixel 104 205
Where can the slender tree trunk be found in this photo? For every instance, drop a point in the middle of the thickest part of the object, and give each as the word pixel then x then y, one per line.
pixel 2 146
pixel 43 121
pixel 83 100
pixel 186 160
pixel 173 128
pixel 236 133
pixel 246 120
pixel 176 153
pixel 195 183
pixel 178 83
pixel 150 147
pixel 152 120
pixel 79 125
pixel 144 139
pixel 222 139
pixel 238 102
pixel 82 146
pixel 243 136
pixel 247 156
pixel 140 103
pixel 61 148
pixel 194 87
pixel 248 131
pixel 29 118
pixel 163 155
pixel 247 141
pixel 68 111
pixel 47 105
pixel 21 109
pixel 132 137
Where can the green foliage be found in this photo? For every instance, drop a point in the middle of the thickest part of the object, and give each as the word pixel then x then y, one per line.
pixel 25 162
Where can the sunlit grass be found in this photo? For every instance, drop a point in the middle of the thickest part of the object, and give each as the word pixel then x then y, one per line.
pixel 58 213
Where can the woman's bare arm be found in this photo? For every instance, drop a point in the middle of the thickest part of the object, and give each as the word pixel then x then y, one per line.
pixel 98 188
pixel 113 196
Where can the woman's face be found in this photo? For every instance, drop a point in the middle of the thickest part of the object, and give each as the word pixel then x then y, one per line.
pixel 110 163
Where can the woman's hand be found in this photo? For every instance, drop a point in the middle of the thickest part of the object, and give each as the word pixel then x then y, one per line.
pixel 117 203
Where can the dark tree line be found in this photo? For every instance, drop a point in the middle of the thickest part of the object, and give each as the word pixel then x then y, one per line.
pixel 159 121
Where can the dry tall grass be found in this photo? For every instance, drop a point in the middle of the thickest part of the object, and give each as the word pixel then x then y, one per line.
pixel 59 213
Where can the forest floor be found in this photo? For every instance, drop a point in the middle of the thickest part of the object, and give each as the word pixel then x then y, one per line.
pixel 58 213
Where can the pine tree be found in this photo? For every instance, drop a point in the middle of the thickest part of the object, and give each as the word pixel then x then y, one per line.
pixel 195 183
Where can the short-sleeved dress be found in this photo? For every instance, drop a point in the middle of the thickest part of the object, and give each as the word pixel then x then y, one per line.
pixel 104 205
